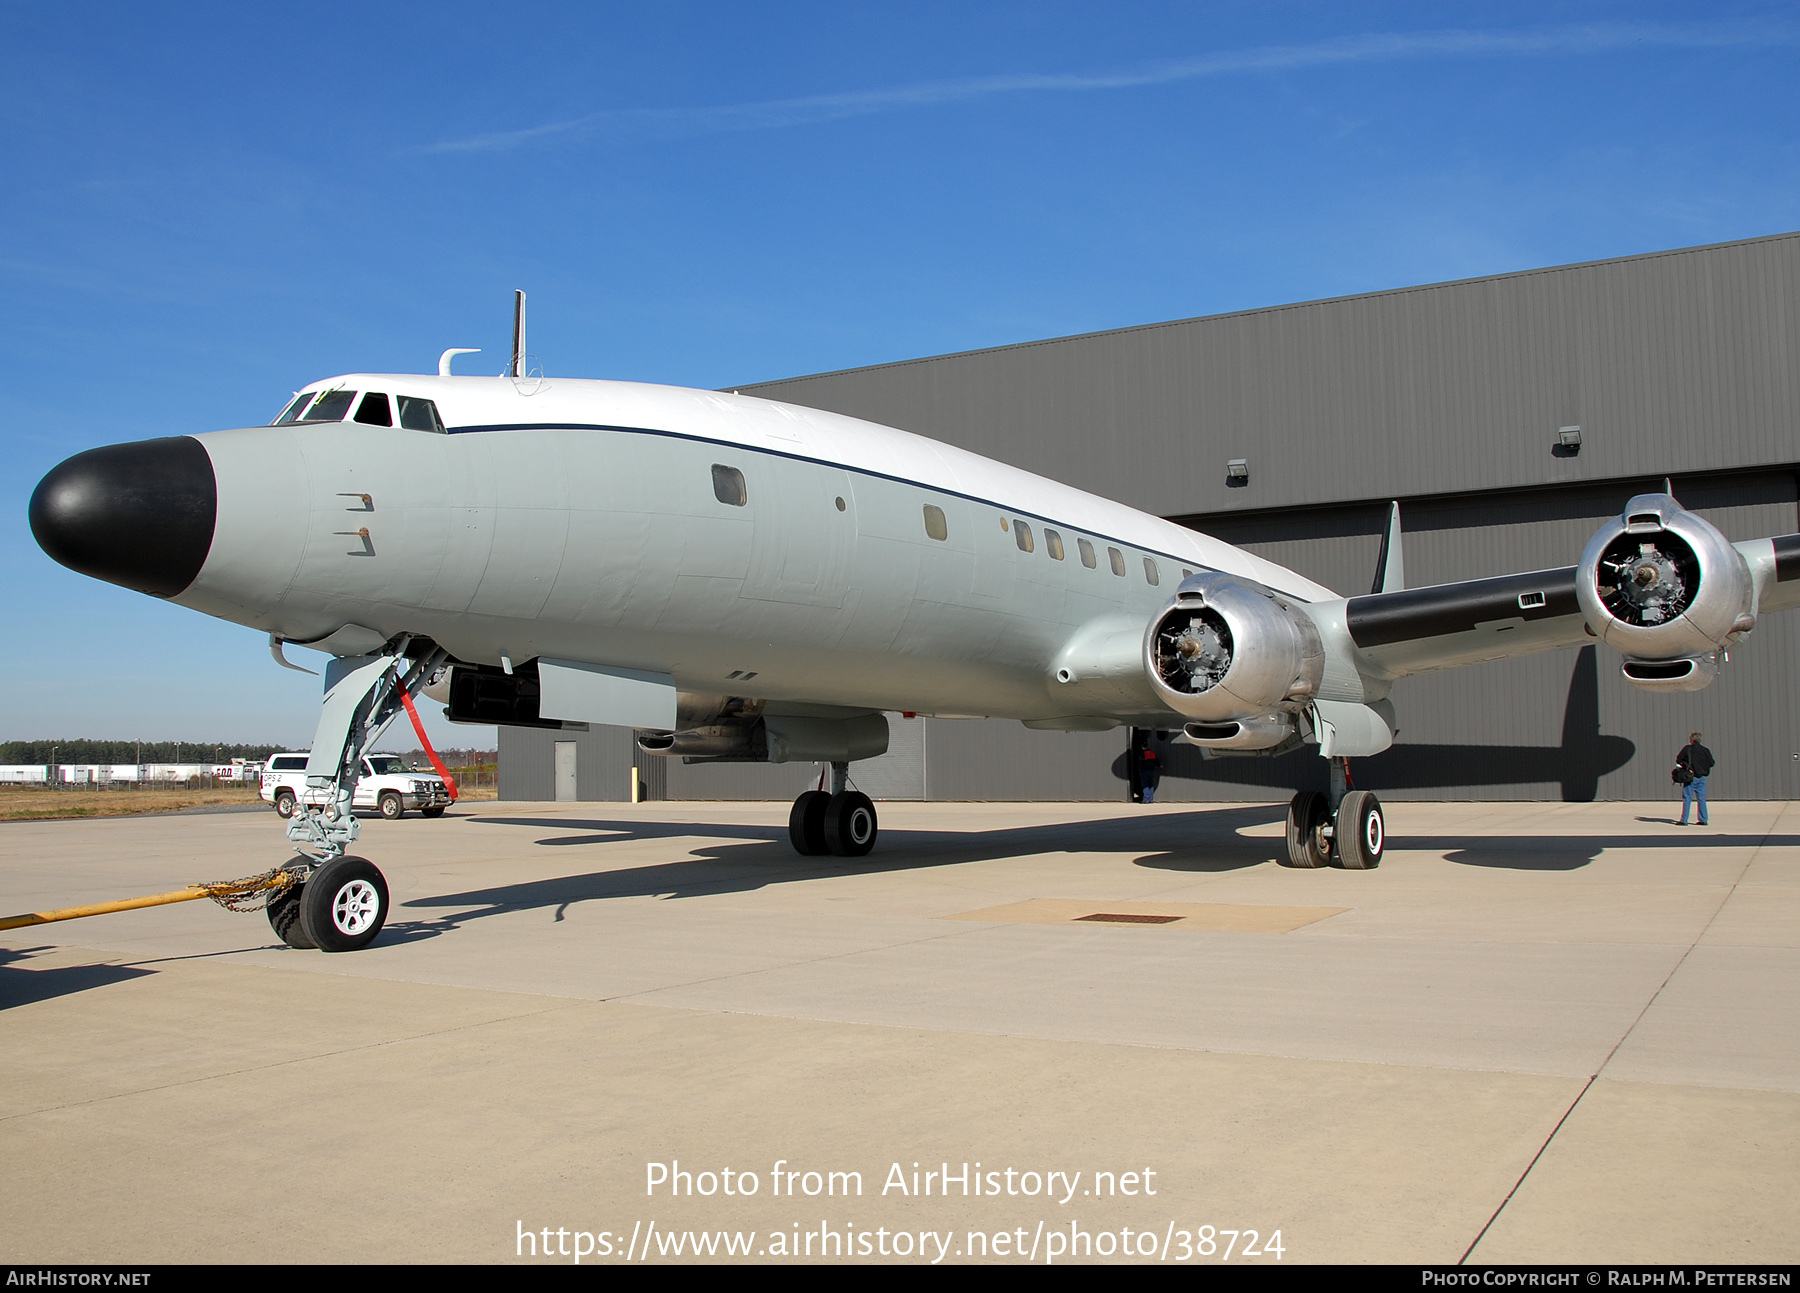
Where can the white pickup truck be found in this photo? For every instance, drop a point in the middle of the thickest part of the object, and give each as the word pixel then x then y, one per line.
pixel 386 785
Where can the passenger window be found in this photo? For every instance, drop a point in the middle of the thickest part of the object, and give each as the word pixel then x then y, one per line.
pixel 1150 573
pixel 331 407
pixel 1087 553
pixel 728 485
pixel 293 410
pixel 420 415
pixel 1117 559
pixel 374 410
pixel 935 524
pixel 1053 544
pixel 1022 536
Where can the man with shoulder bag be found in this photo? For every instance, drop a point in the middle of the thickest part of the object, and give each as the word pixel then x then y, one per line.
pixel 1692 766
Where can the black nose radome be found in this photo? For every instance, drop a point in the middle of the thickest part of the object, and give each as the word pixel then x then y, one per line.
pixel 139 514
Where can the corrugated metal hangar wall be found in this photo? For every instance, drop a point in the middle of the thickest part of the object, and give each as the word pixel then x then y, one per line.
pixel 1447 398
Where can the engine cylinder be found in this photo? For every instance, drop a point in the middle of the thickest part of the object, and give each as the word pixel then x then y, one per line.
pixel 1227 648
pixel 1661 584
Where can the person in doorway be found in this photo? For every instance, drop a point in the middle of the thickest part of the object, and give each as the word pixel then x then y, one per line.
pixel 1697 761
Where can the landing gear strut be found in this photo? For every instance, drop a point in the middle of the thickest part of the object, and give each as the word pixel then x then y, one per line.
pixel 339 903
pixel 1347 827
pixel 841 823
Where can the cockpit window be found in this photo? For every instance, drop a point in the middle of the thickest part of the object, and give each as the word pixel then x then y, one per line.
pixel 292 411
pixel 331 407
pixel 419 415
pixel 374 410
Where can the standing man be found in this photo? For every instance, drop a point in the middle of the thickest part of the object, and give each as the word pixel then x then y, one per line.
pixel 1698 761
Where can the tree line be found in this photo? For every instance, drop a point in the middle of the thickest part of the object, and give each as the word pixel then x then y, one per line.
pixel 129 752
pixel 81 751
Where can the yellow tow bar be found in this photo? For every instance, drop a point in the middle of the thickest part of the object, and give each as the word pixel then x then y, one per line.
pixel 248 894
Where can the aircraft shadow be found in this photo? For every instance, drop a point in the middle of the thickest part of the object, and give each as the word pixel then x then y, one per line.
pixel 1205 839
pixel 1577 764
pixel 22 987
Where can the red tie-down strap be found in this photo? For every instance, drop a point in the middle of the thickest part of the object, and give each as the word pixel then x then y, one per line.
pixel 442 771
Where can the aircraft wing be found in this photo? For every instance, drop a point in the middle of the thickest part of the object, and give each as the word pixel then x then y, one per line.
pixel 1444 626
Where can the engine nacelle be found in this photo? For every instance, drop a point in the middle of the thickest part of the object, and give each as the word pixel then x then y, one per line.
pixel 1228 648
pixel 1662 586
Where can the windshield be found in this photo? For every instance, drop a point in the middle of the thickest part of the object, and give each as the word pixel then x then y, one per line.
pixel 292 411
pixel 331 407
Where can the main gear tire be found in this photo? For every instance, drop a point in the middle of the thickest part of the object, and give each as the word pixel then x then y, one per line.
pixel 1307 845
pixel 1361 831
pixel 345 905
pixel 850 824
pixel 806 824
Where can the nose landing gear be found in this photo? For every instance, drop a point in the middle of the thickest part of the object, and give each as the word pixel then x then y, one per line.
pixel 339 907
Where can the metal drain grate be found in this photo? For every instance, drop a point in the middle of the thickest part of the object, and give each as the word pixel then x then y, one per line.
pixel 1119 918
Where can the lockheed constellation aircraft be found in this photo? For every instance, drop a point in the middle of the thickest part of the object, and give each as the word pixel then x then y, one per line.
pixel 740 579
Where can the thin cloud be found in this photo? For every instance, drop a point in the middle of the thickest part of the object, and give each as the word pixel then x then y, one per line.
pixel 1387 47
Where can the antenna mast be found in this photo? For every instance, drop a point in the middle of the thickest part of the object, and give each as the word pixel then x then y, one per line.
pixel 518 360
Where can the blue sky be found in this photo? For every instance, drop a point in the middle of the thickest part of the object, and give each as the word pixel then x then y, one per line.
pixel 205 206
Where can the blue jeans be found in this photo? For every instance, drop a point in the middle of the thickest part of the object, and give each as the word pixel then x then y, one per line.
pixel 1694 792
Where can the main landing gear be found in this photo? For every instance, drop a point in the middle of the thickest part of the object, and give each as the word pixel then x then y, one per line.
pixel 841 823
pixel 1354 835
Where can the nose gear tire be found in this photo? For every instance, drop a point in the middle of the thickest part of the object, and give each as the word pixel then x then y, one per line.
pixel 284 918
pixel 345 905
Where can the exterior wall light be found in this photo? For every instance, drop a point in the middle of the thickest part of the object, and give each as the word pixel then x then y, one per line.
pixel 1568 442
pixel 1237 472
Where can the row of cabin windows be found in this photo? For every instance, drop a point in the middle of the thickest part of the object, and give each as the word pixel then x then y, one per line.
pixel 374 410
pixel 1053 544
pixel 728 488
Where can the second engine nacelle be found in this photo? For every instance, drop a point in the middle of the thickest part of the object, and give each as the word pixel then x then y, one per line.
pixel 1661 584
pixel 1228 648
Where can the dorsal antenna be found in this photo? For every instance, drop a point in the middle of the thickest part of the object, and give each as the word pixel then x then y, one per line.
pixel 518 359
